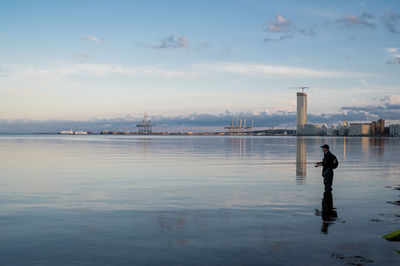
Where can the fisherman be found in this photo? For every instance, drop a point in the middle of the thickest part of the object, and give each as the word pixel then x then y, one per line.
pixel 329 163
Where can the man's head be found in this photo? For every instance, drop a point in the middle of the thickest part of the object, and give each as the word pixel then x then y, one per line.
pixel 325 148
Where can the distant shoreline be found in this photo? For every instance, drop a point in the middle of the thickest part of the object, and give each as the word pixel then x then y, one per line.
pixel 192 134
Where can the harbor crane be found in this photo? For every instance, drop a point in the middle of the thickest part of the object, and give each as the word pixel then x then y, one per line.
pixel 145 127
pixel 302 88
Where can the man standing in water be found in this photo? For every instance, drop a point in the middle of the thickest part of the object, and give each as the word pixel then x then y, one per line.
pixel 329 163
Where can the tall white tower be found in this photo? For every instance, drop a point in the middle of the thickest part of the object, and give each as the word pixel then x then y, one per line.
pixel 301 111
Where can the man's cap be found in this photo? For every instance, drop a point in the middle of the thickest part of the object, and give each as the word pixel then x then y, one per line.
pixel 326 146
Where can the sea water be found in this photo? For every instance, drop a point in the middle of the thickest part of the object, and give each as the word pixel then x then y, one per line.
pixel 195 200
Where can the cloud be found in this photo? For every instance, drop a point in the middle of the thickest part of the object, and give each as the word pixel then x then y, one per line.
pixel 281 38
pixel 57 72
pixel 92 38
pixel 389 109
pixel 282 25
pixel 394 55
pixel 393 100
pixel 46 75
pixel 392 50
pixel 170 42
pixel 111 69
pixel 365 20
pixel 392 21
pixel 274 70
pixel 395 59
pixel 309 32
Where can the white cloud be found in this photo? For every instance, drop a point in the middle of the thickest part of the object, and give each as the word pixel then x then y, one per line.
pixel 92 38
pixel 280 24
pixel 392 50
pixel 274 70
pixel 170 42
pixel 60 71
pixel 393 99
pixel 365 20
pixel 394 55
pixel 284 26
pixel 395 59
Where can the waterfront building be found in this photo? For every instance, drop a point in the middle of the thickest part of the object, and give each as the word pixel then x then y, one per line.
pixel 301 112
pixel 360 129
pixel 80 133
pixel 378 128
pixel 311 130
pixel 394 130
pixel 67 132
pixel 324 129
pixel 343 129
pixel 332 131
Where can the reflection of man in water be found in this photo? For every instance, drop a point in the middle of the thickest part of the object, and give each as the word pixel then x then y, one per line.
pixel 329 163
pixel 328 213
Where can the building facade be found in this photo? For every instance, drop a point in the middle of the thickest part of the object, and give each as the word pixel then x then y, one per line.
pixel 378 128
pixel 301 112
pixel 394 130
pixel 311 130
pixel 343 129
pixel 360 129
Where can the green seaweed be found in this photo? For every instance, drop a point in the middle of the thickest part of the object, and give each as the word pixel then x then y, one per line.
pixel 393 236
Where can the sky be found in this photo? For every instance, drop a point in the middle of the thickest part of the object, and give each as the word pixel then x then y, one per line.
pixel 196 60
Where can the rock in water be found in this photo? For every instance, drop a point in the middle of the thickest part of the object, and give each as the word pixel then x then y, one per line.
pixel 393 236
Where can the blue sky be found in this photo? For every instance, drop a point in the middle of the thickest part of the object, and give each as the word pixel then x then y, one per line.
pixel 80 60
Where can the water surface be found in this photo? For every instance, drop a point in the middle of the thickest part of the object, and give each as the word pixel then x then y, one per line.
pixel 131 200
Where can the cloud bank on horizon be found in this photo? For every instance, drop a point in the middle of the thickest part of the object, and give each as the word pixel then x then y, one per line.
pixel 388 107
pixel 190 64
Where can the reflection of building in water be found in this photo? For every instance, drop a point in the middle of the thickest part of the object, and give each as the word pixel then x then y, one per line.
pixel 377 145
pixel 301 158
pixel 344 147
pixel 242 146
pixel 146 142
pixel 364 145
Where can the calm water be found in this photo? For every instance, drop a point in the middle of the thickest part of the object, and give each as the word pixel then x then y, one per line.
pixel 128 200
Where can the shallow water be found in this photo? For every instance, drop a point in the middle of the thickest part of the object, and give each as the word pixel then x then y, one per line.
pixel 130 200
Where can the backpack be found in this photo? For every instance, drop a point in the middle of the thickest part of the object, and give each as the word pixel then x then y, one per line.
pixel 335 162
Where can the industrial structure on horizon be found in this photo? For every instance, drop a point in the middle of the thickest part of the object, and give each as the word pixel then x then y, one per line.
pixel 374 128
pixel 239 126
pixel 301 111
pixel 145 127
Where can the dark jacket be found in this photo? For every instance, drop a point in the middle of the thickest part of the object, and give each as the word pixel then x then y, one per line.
pixel 328 161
